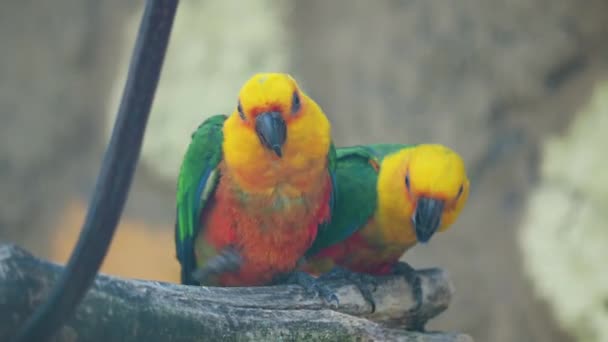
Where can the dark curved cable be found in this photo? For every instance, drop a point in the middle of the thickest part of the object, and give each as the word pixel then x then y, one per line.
pixel 115 176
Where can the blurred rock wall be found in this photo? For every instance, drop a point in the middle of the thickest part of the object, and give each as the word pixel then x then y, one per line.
pixel 564 234
pixel 56 66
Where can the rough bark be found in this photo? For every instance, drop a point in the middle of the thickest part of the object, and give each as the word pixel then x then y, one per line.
pixel 135 310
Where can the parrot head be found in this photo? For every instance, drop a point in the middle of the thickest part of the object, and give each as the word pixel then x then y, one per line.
pixel 437 187
pixel 269 103
pixel 424 187
pixel 275 132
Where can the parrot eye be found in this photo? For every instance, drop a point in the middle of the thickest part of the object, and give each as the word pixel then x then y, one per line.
pixel 407 181
pixel 240 109
pixel 295 103
pixel 460 191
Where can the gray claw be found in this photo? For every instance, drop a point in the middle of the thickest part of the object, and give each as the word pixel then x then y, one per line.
pixel 228 260
pixel 312 285
pixel 365 283
pixel 412 278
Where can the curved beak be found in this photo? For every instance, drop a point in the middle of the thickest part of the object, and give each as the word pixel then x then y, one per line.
pixel 427 218
pixel 272 131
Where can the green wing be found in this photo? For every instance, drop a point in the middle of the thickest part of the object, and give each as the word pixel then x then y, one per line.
pixel 197 180
pixel 332 161
pixel 355 194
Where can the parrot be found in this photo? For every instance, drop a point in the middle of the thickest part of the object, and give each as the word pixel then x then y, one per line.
pixel 389 198
pixel 254 187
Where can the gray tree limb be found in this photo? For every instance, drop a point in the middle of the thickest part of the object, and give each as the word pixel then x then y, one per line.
pixel 118 309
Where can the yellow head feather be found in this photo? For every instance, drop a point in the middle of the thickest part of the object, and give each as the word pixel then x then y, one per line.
pixel 435 171
pixel 254 167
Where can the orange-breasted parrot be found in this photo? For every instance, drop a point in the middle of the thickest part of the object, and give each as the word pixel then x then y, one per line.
pixel 254 187
pixel 389 197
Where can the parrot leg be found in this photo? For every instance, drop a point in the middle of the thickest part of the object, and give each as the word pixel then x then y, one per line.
pixel 411 276
pixel 365 283
pixel 310 284
pixel 228 260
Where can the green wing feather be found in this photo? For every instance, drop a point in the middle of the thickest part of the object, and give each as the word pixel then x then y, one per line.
pixel 332 160
pixel 355 195
pixel 197 181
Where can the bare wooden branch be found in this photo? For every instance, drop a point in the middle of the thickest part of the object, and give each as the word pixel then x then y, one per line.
pixel 135 310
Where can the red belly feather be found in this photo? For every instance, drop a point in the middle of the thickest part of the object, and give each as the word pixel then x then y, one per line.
pixel 356 254
pixel 270 242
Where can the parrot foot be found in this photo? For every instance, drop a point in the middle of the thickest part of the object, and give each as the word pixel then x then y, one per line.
pixel 411 277
pixel 310 284
pixel 228 260
pixel 365 283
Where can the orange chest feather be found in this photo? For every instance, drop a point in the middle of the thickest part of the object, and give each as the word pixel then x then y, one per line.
pixel 271 232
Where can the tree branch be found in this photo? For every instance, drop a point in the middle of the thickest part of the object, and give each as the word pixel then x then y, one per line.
pixel 136 310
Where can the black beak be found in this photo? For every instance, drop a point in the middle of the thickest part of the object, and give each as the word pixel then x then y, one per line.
pixel 427 218
pixel 272 131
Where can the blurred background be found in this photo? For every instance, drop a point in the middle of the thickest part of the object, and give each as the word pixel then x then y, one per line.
pixel 518 87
